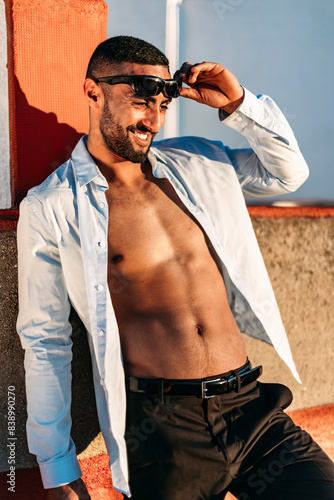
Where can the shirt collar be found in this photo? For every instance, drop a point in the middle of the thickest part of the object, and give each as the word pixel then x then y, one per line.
pixel 85 168
pixel 87 171
pixel 156 159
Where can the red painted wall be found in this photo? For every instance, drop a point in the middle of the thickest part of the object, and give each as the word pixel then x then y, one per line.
pixel 49 46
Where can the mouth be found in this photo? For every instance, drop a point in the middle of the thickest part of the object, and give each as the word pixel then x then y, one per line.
pixel 143 139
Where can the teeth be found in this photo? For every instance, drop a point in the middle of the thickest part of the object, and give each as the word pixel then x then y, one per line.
pixel 143 137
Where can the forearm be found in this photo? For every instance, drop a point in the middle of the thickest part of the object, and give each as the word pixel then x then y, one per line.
pixel 277 165
pixel 48 387
pixel 274 164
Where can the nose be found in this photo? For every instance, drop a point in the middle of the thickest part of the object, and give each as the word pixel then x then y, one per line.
pixel 153 119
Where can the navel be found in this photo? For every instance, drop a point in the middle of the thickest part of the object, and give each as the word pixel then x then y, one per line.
pixel 199 331
pixel 117 258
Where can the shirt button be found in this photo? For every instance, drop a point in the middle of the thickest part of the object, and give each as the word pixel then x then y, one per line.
pixel 101 204
pixel 239 118
pixel 101 333
pixel 100 288
pixel 101 381
pixel 101 244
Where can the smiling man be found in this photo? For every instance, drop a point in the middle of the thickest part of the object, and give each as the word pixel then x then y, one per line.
pixel 154 249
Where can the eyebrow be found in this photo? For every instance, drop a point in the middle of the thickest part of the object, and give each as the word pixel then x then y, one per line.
pixel 152 99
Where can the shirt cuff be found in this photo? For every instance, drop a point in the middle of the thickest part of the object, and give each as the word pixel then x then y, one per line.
pixel 249 107
pixel 59 472
pixel 258 116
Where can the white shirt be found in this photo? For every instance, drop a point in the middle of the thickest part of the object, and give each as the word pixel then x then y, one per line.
pixel 62 243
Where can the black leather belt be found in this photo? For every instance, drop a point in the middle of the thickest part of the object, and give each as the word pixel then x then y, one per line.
pixel 205 388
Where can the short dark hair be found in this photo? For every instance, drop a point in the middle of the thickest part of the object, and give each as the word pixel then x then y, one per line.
pixel 120 49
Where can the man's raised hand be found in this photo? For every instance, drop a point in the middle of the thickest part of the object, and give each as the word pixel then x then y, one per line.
pixel 211 84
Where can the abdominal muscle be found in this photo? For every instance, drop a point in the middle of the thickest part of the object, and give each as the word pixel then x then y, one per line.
pixel 186 332
pixel 169 295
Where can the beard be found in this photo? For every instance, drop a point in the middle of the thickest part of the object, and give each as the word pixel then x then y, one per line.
pixel 118 139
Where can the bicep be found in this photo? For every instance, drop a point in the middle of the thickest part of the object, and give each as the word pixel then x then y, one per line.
pixel 273 169
pixel 43 300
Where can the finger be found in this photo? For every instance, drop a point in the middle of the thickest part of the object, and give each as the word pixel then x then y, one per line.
pixel 191 73
pixel 200 68
pixel 184 69
pixel 204 70
pixel 190 93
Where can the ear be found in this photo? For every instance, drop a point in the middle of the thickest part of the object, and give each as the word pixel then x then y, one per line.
pixel 93 93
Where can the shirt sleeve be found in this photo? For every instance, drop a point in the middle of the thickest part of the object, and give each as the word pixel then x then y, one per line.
pixel 45 333
pixel 274 164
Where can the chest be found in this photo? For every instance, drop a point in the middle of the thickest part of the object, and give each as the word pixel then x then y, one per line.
pixel 150 227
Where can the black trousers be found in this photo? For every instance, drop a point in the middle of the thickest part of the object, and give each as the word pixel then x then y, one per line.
pixel 188 448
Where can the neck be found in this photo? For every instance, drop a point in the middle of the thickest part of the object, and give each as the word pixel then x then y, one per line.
pixel 113 167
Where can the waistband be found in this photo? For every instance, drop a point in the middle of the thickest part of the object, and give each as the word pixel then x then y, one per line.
pixel 204 388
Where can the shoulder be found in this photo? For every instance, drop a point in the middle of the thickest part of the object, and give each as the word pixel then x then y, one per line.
pixel 193 145
pixel 53 198
pixel 61 179
pixel 190 154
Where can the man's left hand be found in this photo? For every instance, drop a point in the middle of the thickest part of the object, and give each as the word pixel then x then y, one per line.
pixel 211 84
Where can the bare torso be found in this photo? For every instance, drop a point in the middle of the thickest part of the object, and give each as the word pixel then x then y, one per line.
pixel 166 287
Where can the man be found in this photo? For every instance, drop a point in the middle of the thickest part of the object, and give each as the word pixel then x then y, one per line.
pixel 155 251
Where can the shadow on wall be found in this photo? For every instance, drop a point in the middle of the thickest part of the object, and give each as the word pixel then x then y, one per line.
pixel 41 144
pixel 84 415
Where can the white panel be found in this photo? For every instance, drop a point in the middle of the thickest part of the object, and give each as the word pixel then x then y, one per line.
pixel 281 48
pixel 171 127
pixel 5 198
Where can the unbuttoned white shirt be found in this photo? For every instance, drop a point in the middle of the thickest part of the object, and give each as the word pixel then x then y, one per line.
pixel 63 259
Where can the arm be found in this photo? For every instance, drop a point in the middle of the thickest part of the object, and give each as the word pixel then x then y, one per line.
pixel 275 164
pixel 45 334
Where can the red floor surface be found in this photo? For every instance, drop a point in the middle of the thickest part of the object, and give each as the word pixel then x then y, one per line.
pixel 318 421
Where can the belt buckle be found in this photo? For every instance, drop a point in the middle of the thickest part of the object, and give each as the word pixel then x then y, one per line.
pixel 204 388
pixel 133 383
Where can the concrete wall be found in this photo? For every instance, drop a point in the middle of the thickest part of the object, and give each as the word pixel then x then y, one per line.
pixel 299 255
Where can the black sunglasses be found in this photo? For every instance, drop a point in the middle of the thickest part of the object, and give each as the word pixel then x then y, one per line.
pixel 146 85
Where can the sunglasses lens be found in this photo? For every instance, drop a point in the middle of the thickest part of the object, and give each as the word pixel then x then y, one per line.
pixel 173 88
pixel 148 87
